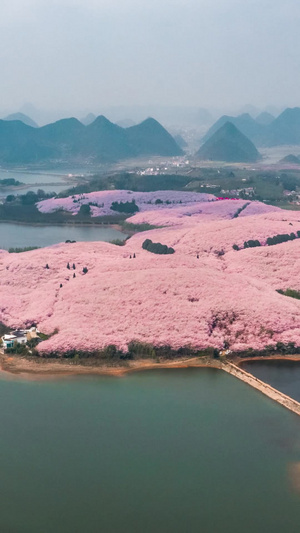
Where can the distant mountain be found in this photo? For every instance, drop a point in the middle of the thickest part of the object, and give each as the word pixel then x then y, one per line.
pixel 150 138
pixel 62 131
pixel 104 141
pixel 69 140
pixel 273 110
pixel 265 118
pixel 61 138
pixel 230 145
pixel 23 118
pixel 265 130
pixel 203 116
pixel 291 158
pixel 180 141
pixel 250 109
pixel 245 123
pixel 88 119
pixel 285 129
pixel 31 111
pixel 126 123
pixel 19 144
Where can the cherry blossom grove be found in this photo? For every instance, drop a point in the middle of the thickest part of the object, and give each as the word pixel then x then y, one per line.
pixel 205 294
pixel 103 200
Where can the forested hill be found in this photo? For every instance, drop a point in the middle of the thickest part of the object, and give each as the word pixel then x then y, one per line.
pixel 69 140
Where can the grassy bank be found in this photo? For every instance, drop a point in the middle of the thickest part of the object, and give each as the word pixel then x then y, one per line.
pixel 29 214
pixel 141 350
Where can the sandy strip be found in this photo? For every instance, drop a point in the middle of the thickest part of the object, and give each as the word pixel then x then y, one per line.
pixel 38 368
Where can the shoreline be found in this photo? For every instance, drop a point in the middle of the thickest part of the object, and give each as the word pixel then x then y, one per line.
pixel 34 369
pixel 26 367
pixel 37 366
pixel 72 224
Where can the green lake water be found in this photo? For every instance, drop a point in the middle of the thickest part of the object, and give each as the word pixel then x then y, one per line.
pixel 19 236
pixel 191 450
pixel 32 181
pixel 281 374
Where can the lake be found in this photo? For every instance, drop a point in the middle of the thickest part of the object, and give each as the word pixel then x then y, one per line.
pixel 30 176
pixel 164 451
pixel 282 374
pixel 49 181
pixel 19 236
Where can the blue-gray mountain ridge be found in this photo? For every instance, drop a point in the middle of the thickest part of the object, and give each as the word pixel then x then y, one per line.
pixel 70 141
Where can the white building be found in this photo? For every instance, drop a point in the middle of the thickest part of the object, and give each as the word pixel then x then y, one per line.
pixel 19 336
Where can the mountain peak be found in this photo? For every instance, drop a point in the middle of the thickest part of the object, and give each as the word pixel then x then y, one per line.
pixel 88 119
pixel 285 129
pixel 102 122
pixel 69 140
pixel 151 138
pixel 290 159
pixel 22 118
pixel 230 145
pixel 245 123
pixel 265 118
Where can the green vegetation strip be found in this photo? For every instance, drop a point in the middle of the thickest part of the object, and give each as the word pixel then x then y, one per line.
pixel 25 249
pixel 128 226
pixel 271 241
pixel 267 186
pixel 290 292
pixel 157 247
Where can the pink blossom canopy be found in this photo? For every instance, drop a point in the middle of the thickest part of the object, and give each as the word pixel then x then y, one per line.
pixel 179 299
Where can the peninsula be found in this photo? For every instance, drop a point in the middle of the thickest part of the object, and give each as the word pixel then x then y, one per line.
pixel 224 287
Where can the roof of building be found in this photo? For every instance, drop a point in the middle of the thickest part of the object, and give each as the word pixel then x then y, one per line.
pixel 19 333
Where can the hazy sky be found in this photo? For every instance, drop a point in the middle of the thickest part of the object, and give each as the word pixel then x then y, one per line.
pixel 89 54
